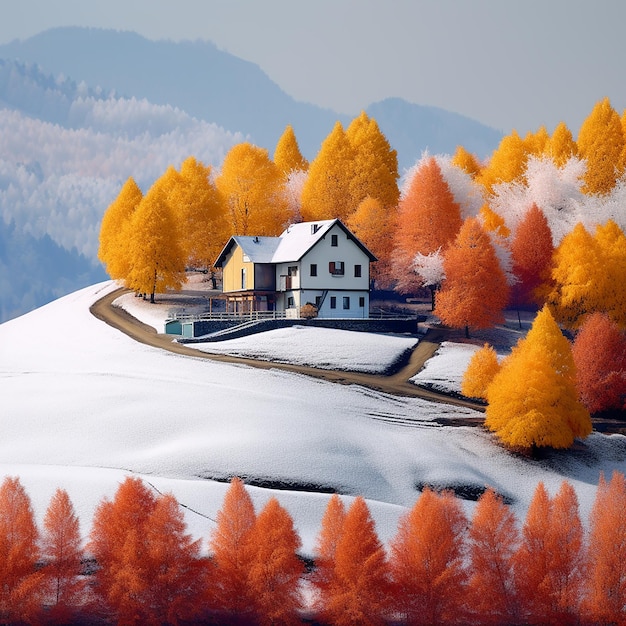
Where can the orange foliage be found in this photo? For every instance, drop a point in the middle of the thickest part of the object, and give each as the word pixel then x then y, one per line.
pixel 20 583
pixel 474 291
pixel 232 550
pixel 531 252
pixel 149 569
pixel 428 219
pixel 275 569
pixel 599 352
pixel 426 561
pixel 549 563
pixel 62 552
pixel 324 580
pixel 494 537
pixel 360 592
pixel 605 601
pixel 374 225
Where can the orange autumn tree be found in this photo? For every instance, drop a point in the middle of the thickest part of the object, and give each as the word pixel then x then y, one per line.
pixel 62 554
pixel 507 163
pixel 599 352
pixel 549 564
pixel 493 541
pixel 605 598
pixel 531 253
pixel 374 225
pixel 324 577
pixel 427 561
pixel 275 569
pixel 532 401
pixel 475 290
pixel 561 146
pixel 148 567
pixel 611 242
pixel 177 577
pixel 481 369
pixel 232 551
pixel 21 585
pixel 360 592
pixel 428 220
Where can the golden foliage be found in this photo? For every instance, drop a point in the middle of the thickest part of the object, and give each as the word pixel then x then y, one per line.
pixel 251 187
pixel 532 400
pixel 601 143
pixel 287 155
pixel 481 369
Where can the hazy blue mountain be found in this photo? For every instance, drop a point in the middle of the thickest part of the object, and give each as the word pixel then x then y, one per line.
pixel 34 271
pixel 215 86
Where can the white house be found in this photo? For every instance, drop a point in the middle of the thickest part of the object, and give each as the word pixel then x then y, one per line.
pixel 321 263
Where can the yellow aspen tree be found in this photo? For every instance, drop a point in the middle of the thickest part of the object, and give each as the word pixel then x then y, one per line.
pixel 601 143
pixel 481 369
pixel 532 402
pixel 375 163
pixel 611 243
pixel 158 260
pixel 287 155
pixel 374 225
pixel 576 274
pixel 251 188
pixel 561 147
pixel 622 160
pixel 475 290
pixel 466 161
pixel 494 222
pixel 197 205
pixel 535 143
pixel 507 163
pixel 326 192
pixel 115 231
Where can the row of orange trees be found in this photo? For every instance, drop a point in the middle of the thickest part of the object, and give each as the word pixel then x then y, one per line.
pixel 440 568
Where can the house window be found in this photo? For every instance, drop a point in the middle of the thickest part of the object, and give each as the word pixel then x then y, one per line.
pixel 313 269
pixel 334 241
pixel 336 268
pixel 243 277
pixel 361 301
pixel 333 302
pixel 346 302
pixel 292 271
pixel 357 271
pixel 290 302
pixel 318 301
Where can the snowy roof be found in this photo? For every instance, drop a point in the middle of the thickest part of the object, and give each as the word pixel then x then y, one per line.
pixel 293 243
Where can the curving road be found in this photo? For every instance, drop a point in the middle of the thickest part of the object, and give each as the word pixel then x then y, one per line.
pixel 395 384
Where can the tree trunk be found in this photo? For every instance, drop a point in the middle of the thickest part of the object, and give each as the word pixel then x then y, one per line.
pixel 467 331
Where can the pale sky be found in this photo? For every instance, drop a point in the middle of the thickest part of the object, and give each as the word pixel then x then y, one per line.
pixel 507 63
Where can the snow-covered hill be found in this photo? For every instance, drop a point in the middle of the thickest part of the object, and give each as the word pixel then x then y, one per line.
pixel 83 405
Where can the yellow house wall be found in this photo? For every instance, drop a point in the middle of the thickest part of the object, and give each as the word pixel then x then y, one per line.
pixel 231 272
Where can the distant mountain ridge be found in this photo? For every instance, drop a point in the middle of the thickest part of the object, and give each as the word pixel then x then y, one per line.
pixel 218 87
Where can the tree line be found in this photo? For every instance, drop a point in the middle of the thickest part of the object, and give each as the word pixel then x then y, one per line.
pixel 140 566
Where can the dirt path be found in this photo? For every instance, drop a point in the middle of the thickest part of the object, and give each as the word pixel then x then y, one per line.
pixel 396 384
